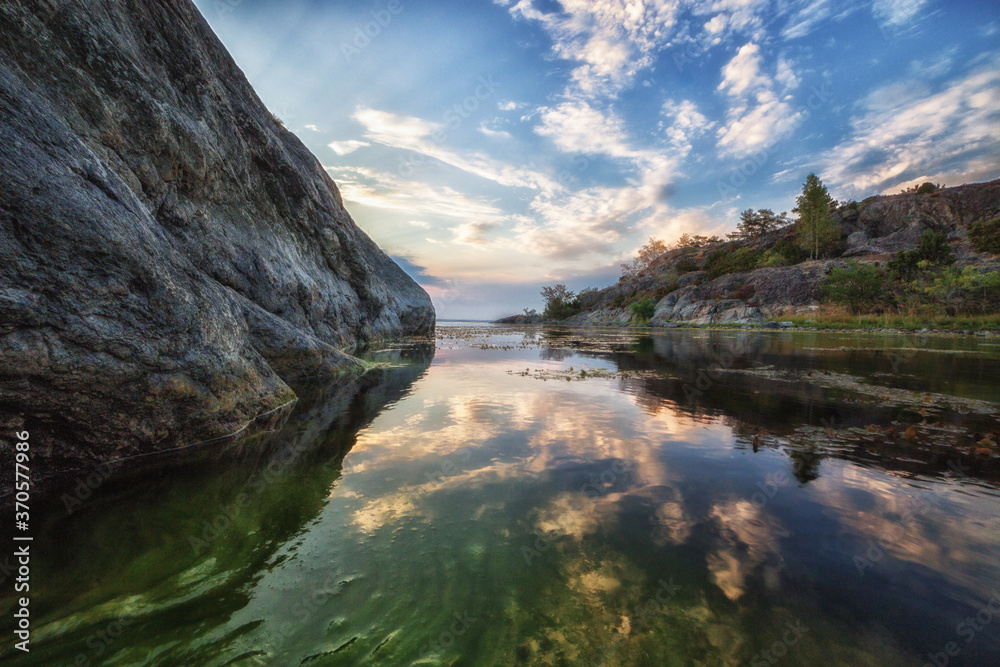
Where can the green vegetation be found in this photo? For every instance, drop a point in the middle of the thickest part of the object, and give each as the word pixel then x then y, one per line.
pixel 723 260
pixel 916 288
pixel 860 287
pixel 643 308
pixel 815 230
pixel 909 321
pixel 666 284
pixel 969 291
pixel 920 285
pixel 560 302
pixel 686 265
pixel 784 253
pixel 696 241
pixel 754 224
pixel 985 236
pixel 922 189
pixel 932 251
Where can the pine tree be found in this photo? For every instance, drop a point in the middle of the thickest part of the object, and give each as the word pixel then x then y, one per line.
pixel 754 224
pixel 816 231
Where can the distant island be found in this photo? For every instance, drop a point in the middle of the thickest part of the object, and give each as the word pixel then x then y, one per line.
pixel 927 257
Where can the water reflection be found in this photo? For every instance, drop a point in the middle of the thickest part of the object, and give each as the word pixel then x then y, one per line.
pixel 550 496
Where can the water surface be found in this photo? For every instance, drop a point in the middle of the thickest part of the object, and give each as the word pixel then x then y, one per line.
pixel 549 496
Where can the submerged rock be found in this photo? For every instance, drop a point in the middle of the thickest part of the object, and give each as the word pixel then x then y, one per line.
pixel 171 254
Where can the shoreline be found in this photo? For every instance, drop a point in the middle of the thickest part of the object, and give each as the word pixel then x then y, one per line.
pixel 923 331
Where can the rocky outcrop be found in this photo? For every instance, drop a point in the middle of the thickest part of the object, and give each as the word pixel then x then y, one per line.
pixel 768 293
pixel 171 254
pixel 880 225
pixel 873 230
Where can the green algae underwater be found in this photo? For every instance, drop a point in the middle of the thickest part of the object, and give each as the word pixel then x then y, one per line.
pixel 558 496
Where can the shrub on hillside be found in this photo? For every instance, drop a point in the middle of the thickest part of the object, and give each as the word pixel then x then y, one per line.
pixel 860 287
pixel 969 292
pixel 985 236
pixel 666 284
pixel 933 250
pixel 643 308
pixel 686 265
pixel 722 261
pixel 784 253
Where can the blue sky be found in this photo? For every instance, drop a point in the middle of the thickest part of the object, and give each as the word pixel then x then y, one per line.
pixel 495 147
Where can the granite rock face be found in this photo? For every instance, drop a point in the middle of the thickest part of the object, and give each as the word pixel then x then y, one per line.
pixel 170 254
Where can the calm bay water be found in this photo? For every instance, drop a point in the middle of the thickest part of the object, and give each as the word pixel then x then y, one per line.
pixel 550 496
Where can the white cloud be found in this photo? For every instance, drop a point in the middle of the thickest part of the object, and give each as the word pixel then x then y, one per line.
pixel 742 73
pixel 612 39
pixel 390 192
pixel 896 13
pixel 345 147
pixel 753 127
pixel 312 127
pixel 578 127
pixel 806 17
pixel 474 233
pixel 494 134
pixel 935 66
pixel 785 75
pixel 595 220
pixel 427 138
pixel 686 123
pixel 953 134
pixel 394 129
pixel 731 17
pixel 757 116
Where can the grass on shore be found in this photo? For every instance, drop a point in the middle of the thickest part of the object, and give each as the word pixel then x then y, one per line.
pixel 831 317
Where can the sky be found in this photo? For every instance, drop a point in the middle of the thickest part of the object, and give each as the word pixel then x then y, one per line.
pixel 492 148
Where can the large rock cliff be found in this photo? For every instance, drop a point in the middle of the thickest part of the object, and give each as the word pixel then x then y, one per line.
pixel 169 253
